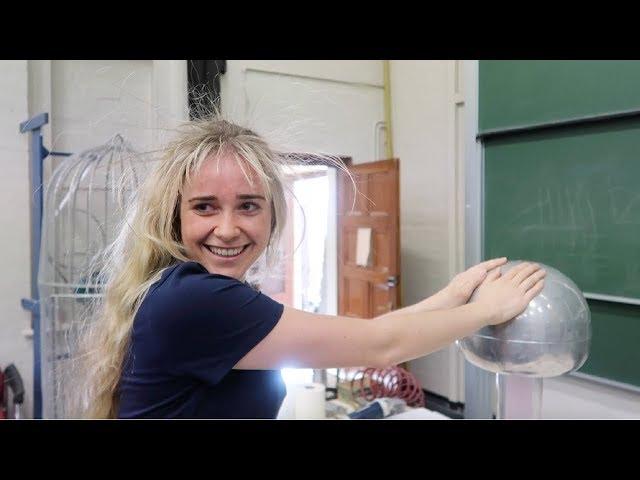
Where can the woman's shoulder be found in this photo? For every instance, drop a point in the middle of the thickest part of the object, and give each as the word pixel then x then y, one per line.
pixel 188 290
pixel 189 274
pixel 190 282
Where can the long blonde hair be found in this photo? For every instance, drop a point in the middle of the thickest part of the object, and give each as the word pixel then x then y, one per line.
pixel 149 242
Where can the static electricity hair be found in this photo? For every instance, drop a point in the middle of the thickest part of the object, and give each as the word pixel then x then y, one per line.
pixel 149 241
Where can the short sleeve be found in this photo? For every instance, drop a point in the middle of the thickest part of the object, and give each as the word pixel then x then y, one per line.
pixel 205 323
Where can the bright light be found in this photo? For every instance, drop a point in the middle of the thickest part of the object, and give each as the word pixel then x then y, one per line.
pixel 296 376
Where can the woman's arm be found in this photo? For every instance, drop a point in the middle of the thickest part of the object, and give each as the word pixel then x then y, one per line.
pixel 307 340
pixel 458 291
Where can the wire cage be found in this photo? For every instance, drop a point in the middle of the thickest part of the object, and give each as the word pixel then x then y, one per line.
pixel 82 208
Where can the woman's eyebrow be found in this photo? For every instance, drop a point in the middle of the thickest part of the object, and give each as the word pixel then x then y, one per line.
pixel 200 199
pixel 243 196
pixel 250 197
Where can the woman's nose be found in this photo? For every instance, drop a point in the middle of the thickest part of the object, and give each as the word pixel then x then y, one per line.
pixel 226 229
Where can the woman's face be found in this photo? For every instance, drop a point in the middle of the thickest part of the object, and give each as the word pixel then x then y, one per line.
pixel 224 220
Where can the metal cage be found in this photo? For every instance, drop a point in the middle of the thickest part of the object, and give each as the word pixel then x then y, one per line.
pixel 82 209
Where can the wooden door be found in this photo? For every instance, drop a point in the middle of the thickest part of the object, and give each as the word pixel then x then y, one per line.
pixel 373 289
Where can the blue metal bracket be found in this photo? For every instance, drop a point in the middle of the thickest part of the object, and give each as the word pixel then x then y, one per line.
pixel 31 305
pixel 34 123
pixel 45 153
pixel 37 154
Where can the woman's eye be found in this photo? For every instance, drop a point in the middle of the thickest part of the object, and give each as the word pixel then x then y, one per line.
pixel 249 207
pixel 203 207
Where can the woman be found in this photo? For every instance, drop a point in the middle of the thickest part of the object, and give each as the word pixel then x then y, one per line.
pixel 181 333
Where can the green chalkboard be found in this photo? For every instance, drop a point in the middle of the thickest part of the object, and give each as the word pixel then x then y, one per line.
pixel 570 198
pixel 528 92
pixel 614 352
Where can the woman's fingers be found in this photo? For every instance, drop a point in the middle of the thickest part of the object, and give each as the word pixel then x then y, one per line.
pixel 525 273
pixel 515 270
pixel 526 270
pixel 532 280
pixel 530 295
pixel 493 263
pixel 493 274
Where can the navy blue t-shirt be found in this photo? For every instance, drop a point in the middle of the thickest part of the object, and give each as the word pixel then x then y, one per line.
pixel 189 332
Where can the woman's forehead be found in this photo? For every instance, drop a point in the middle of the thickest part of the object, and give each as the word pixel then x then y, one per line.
pixel 225 173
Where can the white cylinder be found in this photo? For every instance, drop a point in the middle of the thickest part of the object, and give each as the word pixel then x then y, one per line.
pixel 309 401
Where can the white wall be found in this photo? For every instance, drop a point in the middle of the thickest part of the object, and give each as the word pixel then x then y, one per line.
pixel 327 106
pixel 15 199
pixel 93 100
pixel 427 138
pixel 168 98
pixel 87 102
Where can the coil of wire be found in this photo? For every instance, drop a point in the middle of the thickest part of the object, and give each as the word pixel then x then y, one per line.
pixel 395 382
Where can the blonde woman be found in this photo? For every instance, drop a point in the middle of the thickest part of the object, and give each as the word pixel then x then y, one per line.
pixel 182 334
